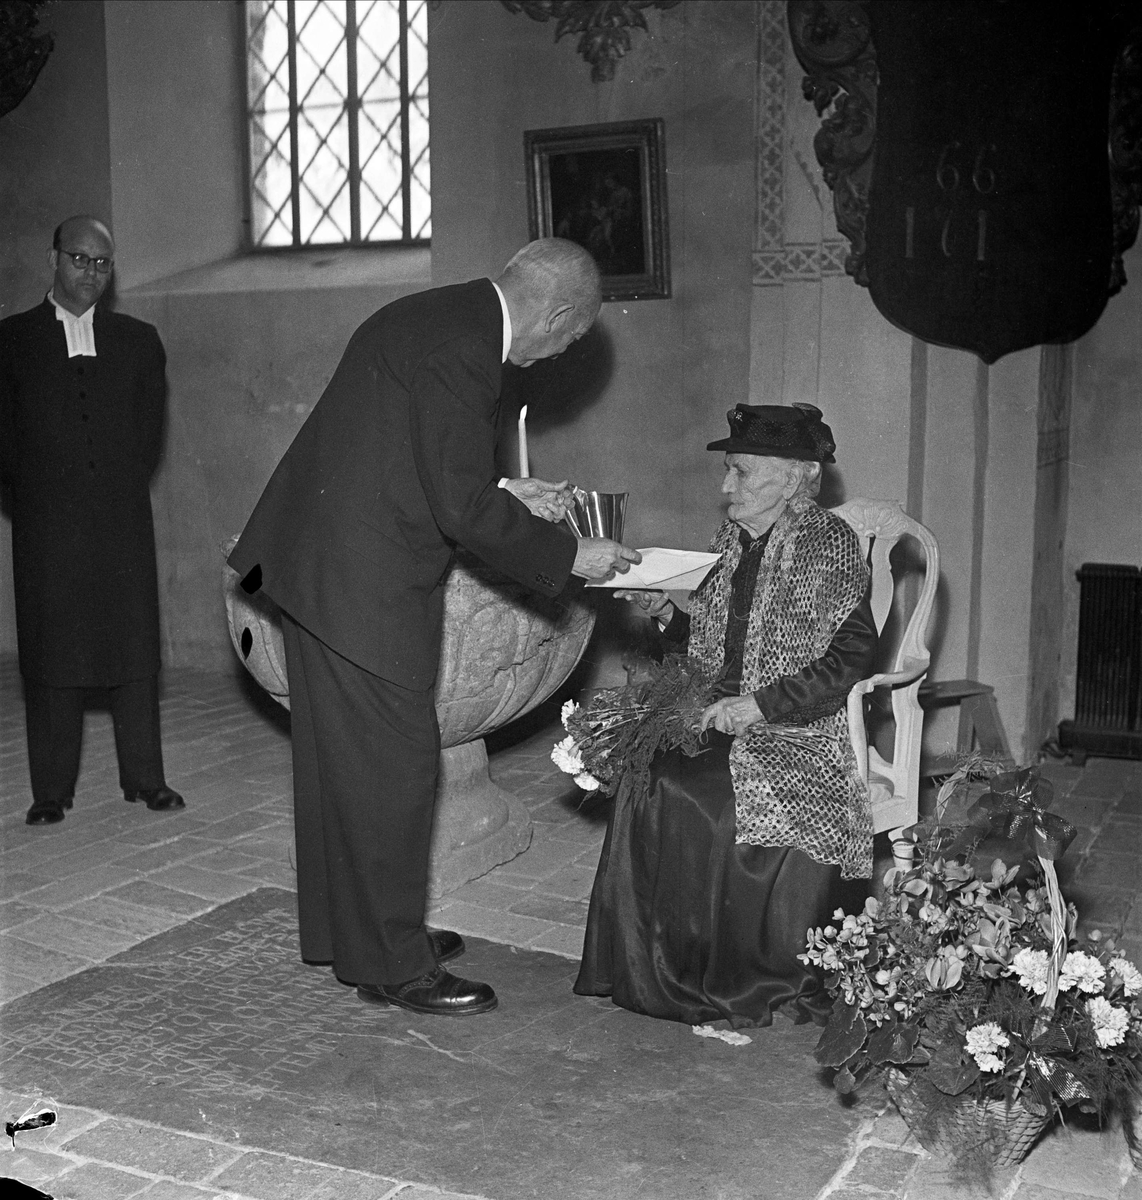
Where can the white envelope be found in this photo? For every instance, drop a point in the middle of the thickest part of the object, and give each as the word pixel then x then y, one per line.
pixel 664 570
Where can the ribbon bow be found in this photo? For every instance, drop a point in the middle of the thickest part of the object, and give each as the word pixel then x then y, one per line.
pixel 1016 809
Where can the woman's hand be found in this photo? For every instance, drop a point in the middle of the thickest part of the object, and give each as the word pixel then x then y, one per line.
pixel 731 714
pixel 653 604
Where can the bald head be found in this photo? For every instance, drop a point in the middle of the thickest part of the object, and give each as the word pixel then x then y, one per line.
pixel 75 227
pixel 81 259
pixel 553 295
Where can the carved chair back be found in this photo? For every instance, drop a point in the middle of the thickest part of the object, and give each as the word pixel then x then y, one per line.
pixel 894 786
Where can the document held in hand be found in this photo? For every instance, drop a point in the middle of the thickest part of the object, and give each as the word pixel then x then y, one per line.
pixel 664 570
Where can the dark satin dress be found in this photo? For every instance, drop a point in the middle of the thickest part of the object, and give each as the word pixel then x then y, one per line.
pixel 685 924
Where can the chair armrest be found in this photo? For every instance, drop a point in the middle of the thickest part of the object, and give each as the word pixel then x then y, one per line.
pixel 911 670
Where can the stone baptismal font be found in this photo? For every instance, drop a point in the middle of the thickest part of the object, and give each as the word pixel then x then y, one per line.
pixel 505 650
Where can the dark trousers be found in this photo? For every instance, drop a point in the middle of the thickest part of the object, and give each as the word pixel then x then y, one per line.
pixel 54 719
pixel 365 758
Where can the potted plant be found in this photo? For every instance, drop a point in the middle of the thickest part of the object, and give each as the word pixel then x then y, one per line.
pixel 965 989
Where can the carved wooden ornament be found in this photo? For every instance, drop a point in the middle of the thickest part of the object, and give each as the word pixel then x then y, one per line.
pixel 967 148
pixel 833 42
pixel 603 26
pixel 23 51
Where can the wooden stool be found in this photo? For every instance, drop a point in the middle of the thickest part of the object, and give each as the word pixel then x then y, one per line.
pixel 979 717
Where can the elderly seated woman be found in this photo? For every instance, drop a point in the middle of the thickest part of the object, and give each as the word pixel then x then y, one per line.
pixel 709 882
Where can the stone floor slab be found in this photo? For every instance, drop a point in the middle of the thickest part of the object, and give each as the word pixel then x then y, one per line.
pixel 165 1189
pixel 153 1150
pixel 35 1167
pixel 276 1177
pixel 1082 1163
pixel 880 1169
pixel 16 912
pixel 60 931
pixel 146 894
pixel 94 1181
pixel 622 1105
pixel 210 885
pixel 116 916
pixel 19 883
pixel 13 984
pixel 40 963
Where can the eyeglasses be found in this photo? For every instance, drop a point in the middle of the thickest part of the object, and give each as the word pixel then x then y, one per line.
pixel 83 261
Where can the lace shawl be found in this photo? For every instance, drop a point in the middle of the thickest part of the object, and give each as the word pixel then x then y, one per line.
pixel 811 577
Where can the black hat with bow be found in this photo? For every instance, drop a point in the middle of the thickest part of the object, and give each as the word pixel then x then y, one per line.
pixel 778 431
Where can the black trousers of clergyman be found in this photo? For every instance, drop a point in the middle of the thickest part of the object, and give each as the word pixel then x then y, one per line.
pixel 54 721
pixel 366 754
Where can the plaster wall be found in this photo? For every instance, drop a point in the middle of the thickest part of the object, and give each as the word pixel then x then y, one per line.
pixel 1002 645
pixel 175 102
pixel 54 162
pixel 1048 587
pixel 1104 521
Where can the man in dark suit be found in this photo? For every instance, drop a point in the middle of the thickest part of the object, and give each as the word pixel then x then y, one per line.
pixel 82 392
pixel 353 537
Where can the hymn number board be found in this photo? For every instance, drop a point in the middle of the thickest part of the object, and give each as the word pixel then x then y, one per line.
pixel 989 215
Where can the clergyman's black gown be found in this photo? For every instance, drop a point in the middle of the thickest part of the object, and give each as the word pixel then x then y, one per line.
pixel 686 925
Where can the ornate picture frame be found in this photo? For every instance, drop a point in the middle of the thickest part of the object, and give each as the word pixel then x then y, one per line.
pixel 604 187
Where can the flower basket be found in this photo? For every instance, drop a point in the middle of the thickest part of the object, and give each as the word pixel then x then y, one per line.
pixel 1003 1133
pixel 965 989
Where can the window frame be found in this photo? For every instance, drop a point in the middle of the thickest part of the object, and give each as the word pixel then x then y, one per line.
pixel 352 112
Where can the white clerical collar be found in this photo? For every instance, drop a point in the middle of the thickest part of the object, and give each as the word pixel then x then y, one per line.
pixel 507 323
pixel 79 331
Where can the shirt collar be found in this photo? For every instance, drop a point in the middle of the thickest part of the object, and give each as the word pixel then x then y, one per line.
pixel 79 331
pixel 507 345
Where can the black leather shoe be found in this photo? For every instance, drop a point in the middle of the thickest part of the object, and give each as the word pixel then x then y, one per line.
pixel 437 994
pixel 446 945
pixel 156 799
pixel 45 814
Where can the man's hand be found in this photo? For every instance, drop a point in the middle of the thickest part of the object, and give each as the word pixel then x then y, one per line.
pixel 654 604
pixel 598 559
pixel 547 500
pixel 732 714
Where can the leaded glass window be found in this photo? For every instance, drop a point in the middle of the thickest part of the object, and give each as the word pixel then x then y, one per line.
pixel 338 122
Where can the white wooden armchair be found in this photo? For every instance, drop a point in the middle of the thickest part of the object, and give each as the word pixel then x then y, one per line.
pixel 894 786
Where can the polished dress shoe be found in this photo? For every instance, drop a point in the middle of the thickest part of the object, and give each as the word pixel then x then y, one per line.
pixel 156 799
pixel 446 945
pixel 46 814
pixel 437 994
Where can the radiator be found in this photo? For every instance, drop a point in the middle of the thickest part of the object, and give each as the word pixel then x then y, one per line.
pixel 1108 681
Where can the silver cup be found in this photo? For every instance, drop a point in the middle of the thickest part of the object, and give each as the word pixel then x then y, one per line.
pixel 598 514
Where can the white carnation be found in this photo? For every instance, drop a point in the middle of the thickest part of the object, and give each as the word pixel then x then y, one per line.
pixel 568 711
pixel 587 781
pixel 982 1041
pixel 1031 967
pixel 1129 974
pixel 565 755
pixel 1110 1022
pixel 1083 971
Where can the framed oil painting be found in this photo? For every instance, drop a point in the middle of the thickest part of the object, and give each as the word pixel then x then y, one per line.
pixel 604 187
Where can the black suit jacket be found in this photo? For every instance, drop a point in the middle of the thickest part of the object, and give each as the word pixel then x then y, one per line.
pixel 393 468
pixel 79 441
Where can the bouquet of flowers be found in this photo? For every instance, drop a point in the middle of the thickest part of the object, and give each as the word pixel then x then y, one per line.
pixel 620 731
pixel 623 728
pixel 967 988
